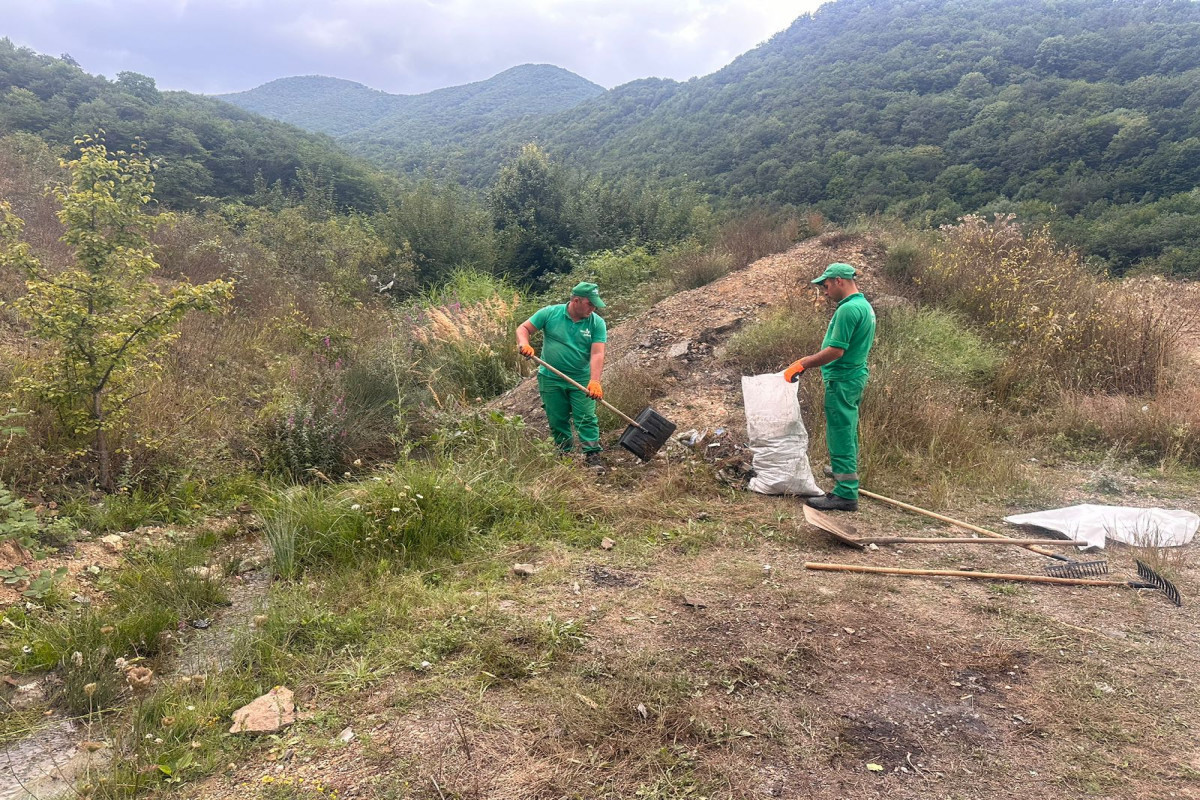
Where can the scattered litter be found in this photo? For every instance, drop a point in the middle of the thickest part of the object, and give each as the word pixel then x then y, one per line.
pixel 641 709
pixel 694 602
pixel 607 544
pixel 523 570
pixel 875 767
pixel 201 623
pixel 346 735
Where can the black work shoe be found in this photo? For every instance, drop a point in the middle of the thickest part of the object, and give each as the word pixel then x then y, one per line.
pixel 832 502
pixel 594 461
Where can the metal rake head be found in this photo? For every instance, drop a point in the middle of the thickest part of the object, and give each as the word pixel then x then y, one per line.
pixel 1152 580
pixel 1076 569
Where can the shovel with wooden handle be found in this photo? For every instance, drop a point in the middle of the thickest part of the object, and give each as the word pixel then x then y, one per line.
pixel 844 532
pixel 644 436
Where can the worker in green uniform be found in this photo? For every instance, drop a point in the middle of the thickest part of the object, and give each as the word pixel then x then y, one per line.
pixel 843 362
pixel 573 343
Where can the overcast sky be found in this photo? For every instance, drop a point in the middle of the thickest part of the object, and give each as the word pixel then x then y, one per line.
pixel 400 46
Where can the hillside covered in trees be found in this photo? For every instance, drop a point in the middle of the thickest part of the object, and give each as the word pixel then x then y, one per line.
pixel 345 108
pixel 1081 113
pixel 206 148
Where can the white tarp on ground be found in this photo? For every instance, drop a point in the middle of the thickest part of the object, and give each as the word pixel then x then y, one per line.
pixel 777 437
pixel 1143 527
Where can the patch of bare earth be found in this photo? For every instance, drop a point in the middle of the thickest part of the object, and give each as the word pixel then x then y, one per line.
pixel 728 670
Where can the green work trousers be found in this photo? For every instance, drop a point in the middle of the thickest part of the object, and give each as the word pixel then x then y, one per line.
pixel 564 403
pixel 841 433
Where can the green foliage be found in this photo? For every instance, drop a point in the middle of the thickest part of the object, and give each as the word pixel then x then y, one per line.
pixel 208 148
pixel 307 441
pixel 106 322
pixel 18 522
pixel 1076 118
pixel 442 227
pixel 938 343
pixel 34 587
pixel 619 272
pixel 772 343
pixel 527 203
pixel 422 509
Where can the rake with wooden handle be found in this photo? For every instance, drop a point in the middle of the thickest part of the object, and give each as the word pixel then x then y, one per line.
pixel 1069 568
pixel 1149 578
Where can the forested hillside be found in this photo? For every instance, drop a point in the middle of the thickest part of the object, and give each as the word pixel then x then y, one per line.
pixel 397 122
pixel 1082 113
pixel 207 148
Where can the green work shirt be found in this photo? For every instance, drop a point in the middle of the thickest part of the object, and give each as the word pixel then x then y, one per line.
pixel 852 329
pixel 568 344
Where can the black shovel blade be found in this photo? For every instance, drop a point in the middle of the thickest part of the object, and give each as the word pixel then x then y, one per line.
pixel 645 441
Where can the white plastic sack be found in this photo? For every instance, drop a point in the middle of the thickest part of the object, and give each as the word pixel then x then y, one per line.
pixel 1142 527
pixel 777 436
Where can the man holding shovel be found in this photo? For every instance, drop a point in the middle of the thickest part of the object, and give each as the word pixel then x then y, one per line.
pixel 574 338
pixel 843 362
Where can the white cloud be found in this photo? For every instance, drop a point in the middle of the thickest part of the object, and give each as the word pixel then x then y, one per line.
pixel 396 45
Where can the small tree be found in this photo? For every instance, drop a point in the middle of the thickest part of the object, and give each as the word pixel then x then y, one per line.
pixel 527 204
pixel 104 318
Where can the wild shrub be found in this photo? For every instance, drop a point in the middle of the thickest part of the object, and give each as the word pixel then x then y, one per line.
pixel 939 343
pixel 618 272
pixel 307 440
pixel 906 259
pixel 692 266
pixel 772 343
pixel 1063 325
pixel 1163 431
pixel 924 418
pixel 462 352
pixel 757 233
pixel 104 321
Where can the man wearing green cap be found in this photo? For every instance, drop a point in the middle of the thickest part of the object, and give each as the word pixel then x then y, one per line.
pixel 574 338
pixel 843 362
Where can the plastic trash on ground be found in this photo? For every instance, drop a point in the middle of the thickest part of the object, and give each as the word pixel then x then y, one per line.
pixel 777 437
pixel 1141 527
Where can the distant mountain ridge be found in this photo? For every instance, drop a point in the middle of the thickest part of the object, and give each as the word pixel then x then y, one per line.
pixel 343 108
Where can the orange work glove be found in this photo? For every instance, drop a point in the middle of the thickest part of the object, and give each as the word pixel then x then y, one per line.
pixel 594 391
pixel 525 350
pixel 793 372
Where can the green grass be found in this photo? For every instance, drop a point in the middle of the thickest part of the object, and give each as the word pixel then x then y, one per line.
pixel 772 343
pixel 148 600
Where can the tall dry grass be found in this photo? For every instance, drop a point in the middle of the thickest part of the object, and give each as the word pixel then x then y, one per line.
pixel 1065 327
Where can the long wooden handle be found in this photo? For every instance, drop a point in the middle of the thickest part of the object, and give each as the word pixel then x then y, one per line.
pixel 583 388
pixel 959 573
pixel 957 523
pixel 963 540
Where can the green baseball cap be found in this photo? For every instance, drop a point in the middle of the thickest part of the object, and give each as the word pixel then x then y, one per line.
pixel 837 270
pixel 589 290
